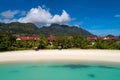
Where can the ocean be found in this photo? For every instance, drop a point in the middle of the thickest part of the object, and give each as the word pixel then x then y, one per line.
pixel 59 71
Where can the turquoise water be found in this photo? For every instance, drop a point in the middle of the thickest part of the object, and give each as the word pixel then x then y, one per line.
pixel 59 71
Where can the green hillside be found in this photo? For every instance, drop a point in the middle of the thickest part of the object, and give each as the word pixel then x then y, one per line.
pixel 54 29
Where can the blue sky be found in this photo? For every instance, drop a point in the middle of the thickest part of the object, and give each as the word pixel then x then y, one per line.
pixel 101 17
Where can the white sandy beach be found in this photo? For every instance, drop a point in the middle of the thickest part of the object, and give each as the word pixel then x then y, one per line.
pixel 61 56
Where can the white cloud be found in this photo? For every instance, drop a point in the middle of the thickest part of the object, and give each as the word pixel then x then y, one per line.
pixel 38 16
pixel 117 15
pixel 64 18
pixel 42 16
pixel 8 20
pixel 9 14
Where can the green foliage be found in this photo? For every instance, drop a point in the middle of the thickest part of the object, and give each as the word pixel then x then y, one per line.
pixel 42 43
pixel 31 29
pixel 106 44
pixel 80 42
pixel 64 30
pixel 61 41
pixel 8 43
pixel 19 28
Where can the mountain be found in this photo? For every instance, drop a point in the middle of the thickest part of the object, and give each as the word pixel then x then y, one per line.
pixel 53 29
pixel 19 28
pixel 56 29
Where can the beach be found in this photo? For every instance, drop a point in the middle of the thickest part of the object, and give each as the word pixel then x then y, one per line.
pixel 65 55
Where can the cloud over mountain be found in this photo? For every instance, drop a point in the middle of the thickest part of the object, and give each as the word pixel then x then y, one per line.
pixel 9 13
pixel 38 16
pixel 42 16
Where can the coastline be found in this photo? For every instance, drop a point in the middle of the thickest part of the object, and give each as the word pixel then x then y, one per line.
pixel 65 55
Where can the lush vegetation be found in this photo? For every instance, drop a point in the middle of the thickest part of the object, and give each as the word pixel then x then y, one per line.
pixel 8 43
pixel 106 44
pixel 31 29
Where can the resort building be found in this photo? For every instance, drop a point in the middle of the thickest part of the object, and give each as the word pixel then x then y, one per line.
pixel 26 38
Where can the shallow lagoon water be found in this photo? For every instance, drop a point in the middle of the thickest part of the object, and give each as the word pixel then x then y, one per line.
pixel 59 71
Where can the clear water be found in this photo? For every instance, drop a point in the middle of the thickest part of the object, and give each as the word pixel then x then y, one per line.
pixel 59 71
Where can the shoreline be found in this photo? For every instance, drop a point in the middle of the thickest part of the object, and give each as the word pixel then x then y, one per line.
pixel 65 55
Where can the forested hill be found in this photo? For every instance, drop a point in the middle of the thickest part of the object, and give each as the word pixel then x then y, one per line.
pixel 19 28
pixel 54 29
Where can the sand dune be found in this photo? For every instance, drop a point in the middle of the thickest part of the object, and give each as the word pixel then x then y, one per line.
pixel 61 56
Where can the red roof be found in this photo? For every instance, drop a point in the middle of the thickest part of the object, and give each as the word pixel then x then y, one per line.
pixel 69 37
pixel 51 38
pixel 27 38
pixel 114 38
pixel 16 35
pixel 103 37
pixel 92 38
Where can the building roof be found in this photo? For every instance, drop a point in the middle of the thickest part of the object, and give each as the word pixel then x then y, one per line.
pixel 26 38
pixel 103 37
pixel 51 38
